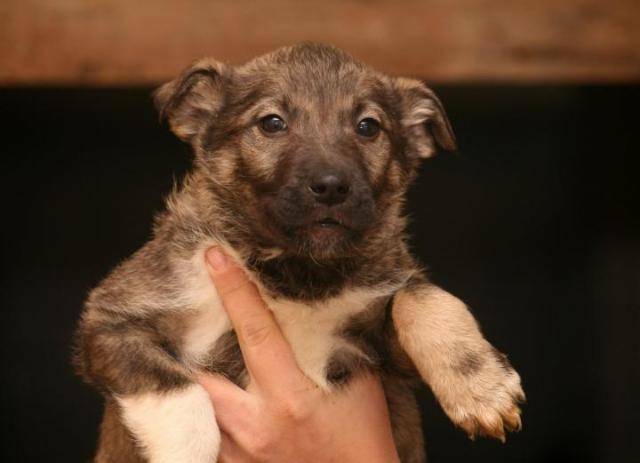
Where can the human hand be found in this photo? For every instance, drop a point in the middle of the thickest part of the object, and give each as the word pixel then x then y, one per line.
pixel 282 416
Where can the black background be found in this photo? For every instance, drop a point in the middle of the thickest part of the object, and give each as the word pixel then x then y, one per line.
pixel 535 224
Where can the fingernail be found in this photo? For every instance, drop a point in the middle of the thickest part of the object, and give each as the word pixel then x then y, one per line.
pixel 217 260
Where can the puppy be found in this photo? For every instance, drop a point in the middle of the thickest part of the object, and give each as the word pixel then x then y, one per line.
pixel 302 161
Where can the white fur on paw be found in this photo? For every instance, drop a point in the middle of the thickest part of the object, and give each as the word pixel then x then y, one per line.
pixel 173 427
pixel 486 402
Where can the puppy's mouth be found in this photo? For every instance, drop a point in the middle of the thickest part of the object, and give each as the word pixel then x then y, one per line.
pixel 329 222
pixel 311 229
pixel 327 236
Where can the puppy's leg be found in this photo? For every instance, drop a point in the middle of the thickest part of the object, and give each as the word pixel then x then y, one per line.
pixel 116 444
pixel 474 382
pixel 169 415
pixel 405 419
pixel 173 426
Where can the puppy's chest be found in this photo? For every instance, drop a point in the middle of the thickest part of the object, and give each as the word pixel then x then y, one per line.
pixel 324 336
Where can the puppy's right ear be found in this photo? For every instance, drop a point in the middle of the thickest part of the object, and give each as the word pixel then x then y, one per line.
pixel 191 99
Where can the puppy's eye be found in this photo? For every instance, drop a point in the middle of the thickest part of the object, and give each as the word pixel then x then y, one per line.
pixel 368 127
pixel 272 124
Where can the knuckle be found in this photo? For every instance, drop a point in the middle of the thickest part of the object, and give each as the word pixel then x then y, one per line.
pixel 295 410
pixel 232 288
pixel 260 445
pixel 255 333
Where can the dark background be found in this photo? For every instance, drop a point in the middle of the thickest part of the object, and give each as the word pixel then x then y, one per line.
pixel 535 224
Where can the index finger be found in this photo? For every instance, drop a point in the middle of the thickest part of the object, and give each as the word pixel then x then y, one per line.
pixel 267 354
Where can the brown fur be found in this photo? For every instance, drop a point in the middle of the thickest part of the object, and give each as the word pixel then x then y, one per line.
pixel 249 190
pixel 226 358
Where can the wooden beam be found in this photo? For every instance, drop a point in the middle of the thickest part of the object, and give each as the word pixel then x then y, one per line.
pixel 125 42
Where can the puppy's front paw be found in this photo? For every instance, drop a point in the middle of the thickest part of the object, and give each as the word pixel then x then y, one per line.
pixel 483 395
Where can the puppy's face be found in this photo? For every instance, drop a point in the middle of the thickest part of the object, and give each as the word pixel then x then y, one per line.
pixel 311 150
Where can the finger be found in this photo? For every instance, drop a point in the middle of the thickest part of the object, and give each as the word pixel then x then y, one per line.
pixel 268 356
pixel 230 452
pixel 232 405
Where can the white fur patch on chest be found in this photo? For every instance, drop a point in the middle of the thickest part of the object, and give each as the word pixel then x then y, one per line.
pixel 311 327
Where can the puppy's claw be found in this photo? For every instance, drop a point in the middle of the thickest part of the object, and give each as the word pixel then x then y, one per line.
pixel 470 426
pixel 489 413
pixel 491 425
pixel 512 420
pixel 475 428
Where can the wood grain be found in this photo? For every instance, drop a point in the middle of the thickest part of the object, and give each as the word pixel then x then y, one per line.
pixel 125 42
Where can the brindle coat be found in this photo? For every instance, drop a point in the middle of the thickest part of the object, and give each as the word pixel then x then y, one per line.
pixel 250 191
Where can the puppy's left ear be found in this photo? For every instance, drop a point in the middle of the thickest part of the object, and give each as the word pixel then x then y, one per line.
pixel 193 98
pixel 424 117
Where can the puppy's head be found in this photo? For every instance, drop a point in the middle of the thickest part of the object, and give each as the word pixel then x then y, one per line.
pixel 310 151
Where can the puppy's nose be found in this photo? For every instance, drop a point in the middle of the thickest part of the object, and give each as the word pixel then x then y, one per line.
pixel 330 188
